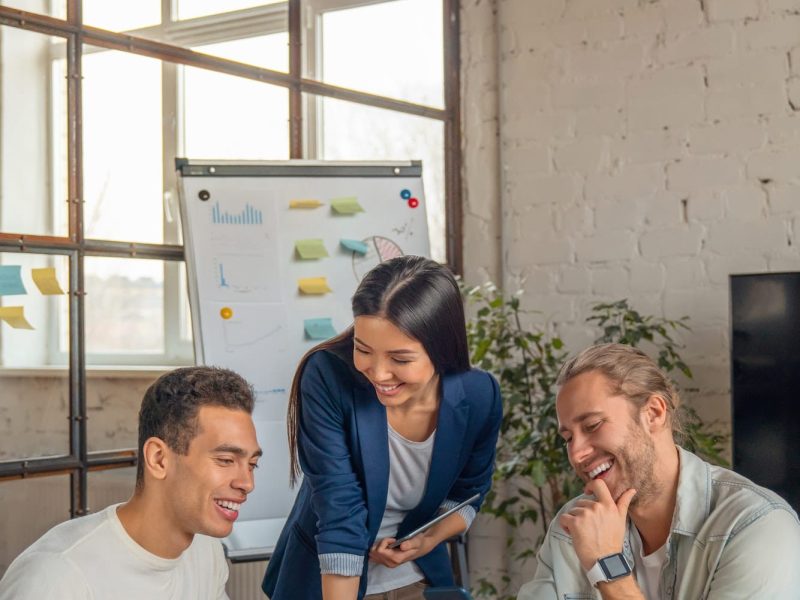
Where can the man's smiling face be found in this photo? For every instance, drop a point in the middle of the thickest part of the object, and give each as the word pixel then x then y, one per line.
pixel 213 478
pixel 605 436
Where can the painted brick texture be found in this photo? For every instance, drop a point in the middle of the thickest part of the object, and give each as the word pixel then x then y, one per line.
pixel 647 150
pixel 671 128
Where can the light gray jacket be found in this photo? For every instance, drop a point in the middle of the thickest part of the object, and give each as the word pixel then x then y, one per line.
pixel 730 538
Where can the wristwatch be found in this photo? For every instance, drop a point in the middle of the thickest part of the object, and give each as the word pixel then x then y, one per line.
pixel 609 568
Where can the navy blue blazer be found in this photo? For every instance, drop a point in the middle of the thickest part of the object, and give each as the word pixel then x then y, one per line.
pixel 343 449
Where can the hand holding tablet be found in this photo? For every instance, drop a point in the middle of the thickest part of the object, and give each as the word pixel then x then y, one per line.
pixel 432 522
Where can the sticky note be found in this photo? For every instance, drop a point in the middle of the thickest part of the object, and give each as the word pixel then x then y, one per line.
pixel 354 245
pixel 15 316
pixel 11 281
pixel 304 203
pixel 346 206
pixel 314 285
pixel 319 329
pixel 45 280
pixel 310 249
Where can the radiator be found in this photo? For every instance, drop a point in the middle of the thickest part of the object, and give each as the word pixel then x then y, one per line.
pixel 244 582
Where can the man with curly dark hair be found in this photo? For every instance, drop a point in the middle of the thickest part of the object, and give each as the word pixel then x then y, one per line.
pixel 197 452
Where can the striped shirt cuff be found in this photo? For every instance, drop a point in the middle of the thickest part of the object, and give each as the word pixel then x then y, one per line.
pixel 467 512
pixel 339 563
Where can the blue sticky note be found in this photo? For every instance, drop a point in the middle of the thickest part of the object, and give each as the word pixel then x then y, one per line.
pixel 354 245
pixel 11 281
pixel 319 329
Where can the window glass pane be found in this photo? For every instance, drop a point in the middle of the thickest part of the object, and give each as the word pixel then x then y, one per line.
pixel 122 147
pixel 113 400
pixel 29 329
pixel 45 7
pixel 268 51
pixel 228 117
pixel 355 132
pixel 34 394
pixel 406 53
pixel 110 486
pixel 188 9
pixel 26 140
pixel 41 503
pixel 124 308
pixel 120 15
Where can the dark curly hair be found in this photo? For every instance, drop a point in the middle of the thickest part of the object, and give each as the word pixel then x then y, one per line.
pixel 170 406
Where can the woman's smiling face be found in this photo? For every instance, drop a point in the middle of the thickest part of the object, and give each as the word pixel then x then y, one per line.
pixel 396 365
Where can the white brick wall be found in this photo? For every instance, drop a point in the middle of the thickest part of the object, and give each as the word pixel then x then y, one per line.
pixel 647 150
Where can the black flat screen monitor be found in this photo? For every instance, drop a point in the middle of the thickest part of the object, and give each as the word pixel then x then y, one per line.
pixel 765 376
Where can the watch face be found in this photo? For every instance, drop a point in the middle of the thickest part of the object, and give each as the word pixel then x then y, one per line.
pixel 614 566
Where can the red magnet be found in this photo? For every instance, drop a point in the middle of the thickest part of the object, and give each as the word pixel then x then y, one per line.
pixel 413 202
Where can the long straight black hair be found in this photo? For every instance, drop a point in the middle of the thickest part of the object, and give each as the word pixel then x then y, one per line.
pixel 418 296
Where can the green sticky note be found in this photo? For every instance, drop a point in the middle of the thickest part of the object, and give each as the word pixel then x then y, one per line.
pixel 346 206
pixel 354 245
pixel 310 249
pixel 319 329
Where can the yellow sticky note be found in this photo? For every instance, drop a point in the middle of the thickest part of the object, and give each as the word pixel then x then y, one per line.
pixel 314 285
pixel 310 249
pixel 15 316
pixel 304 203
pixel 45 280
pixel 346 206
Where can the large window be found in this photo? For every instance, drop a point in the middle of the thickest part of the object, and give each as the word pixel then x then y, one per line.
pixel 97 99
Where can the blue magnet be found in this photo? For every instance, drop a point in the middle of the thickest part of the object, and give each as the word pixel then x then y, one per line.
pixel 405 194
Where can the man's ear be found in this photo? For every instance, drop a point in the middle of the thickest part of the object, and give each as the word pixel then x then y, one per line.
pixel 655 413
pixel 156 456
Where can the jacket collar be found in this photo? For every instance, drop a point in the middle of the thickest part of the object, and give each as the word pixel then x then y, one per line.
pixel 693 502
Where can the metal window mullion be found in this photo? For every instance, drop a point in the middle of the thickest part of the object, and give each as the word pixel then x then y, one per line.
pixel 452 136
pixel 77 342
pixel 296 72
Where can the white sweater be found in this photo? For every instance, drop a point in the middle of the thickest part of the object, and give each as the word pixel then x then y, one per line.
pixel 94 558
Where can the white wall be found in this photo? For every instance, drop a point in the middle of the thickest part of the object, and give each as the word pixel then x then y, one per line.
pixel 647 150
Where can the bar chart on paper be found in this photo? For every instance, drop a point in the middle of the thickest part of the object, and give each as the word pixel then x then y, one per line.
pixel 249 215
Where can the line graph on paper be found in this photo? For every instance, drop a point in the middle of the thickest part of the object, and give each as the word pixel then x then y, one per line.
pixel 238 335
pixel 251 338
pixel 246 276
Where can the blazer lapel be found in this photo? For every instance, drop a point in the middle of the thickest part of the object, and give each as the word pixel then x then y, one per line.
pixel 447 448
pixel 373 439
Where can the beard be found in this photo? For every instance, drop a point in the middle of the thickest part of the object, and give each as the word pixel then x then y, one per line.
pixel 637 457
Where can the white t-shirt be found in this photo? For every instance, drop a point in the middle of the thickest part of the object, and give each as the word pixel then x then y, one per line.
pixel 409 464
pixel 647 569
pixel 94 558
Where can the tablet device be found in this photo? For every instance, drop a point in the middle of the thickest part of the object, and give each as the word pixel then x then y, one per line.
pixel 446 593
pixel 434 521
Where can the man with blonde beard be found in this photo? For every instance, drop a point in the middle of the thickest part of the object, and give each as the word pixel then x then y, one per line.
pixel 655 521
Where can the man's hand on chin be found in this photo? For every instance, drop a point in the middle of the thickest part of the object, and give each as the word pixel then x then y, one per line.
pixel 597 526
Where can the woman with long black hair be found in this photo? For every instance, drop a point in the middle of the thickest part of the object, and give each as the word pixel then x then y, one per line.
pixel 389 426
